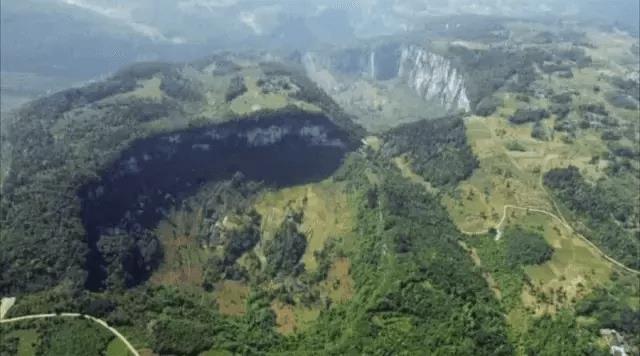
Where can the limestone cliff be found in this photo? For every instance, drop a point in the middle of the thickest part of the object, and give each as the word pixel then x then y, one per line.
pixel 432 76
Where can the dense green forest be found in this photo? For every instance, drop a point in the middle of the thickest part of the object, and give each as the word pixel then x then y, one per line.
pixel 437 149
pixel 526 247
pixel 610 308
pixel 417 284
pixel 417 291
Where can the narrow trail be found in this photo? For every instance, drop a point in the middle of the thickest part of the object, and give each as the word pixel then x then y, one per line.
pixel 562 222
pixel 559 217
pixel 485 274
pixel 75 315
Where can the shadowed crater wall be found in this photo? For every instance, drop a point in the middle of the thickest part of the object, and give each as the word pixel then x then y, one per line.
pixel 153 174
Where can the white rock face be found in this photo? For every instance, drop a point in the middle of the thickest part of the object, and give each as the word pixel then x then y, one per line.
pixel 433 77
pixel 316 135
pixel 265 136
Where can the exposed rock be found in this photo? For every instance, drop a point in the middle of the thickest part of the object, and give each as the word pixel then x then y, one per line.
pixel 617 344
pixel 432 76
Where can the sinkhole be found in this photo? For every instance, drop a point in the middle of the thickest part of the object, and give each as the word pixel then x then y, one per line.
pixel 153 174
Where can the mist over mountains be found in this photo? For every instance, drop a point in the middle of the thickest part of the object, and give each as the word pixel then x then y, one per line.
pixel 90 37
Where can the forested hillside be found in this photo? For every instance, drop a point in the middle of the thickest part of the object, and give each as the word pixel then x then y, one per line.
pixel 437 149
pixel 232 205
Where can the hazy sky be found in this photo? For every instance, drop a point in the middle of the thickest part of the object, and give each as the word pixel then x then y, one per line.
pixel 181 21
pixel 56 35
pixel 153 18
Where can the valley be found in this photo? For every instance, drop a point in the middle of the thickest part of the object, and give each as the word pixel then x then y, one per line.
pixel 464 189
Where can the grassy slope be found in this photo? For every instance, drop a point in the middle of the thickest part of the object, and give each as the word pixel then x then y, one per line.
pixel 327 217
pixel 512 177
pixel 66 336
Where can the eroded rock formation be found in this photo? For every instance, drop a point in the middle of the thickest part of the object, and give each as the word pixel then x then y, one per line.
pixel 432 76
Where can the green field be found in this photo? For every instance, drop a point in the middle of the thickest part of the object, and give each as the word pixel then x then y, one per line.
pixel 61 336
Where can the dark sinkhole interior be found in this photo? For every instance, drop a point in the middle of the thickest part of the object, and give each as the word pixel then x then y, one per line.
pixel 134 193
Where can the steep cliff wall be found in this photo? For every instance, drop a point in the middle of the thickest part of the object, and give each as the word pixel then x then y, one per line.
pixel 432 76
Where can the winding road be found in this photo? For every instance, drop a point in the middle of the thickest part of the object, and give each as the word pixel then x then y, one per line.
pixel 546 159
pixel 75 315
pixel 561 221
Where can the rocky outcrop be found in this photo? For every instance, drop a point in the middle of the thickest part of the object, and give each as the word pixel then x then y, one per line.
pixel 432 76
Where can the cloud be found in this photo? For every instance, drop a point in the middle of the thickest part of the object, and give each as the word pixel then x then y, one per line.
pixel 249 19
pixel 209 5
pixel 122 14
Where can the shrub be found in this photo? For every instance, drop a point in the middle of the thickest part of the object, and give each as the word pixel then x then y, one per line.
pixel 621 100
pixel 628 86
pixel 610 135
pixel 516 146
pixel 488 106
pixel 522 116
pixel 597 109
pixel 236 88
pixel 178 87
pixel 182 337
pixel 575 54
pixel 286 249
pixel 560 110
pixel 540 132
pixel 563 98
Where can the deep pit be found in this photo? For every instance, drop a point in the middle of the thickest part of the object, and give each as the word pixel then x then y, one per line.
pixel 134 193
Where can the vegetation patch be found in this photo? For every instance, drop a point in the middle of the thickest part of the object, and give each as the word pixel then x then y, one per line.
pixel 326 215
pixel 491 69
pixel 516 146
pixel 615 306
pixel 291 319
pixel 522 116
pixel 400 278
pixel 180 336
pixel 437 149
pixel 231 297
pixel 573 270
pixel 117 348
pixel 284 251
pixel 526 247
pixel 488 106
pixel 22 342
pixel 339 285
pixel 54 336
pixel 622 101
pixel 236 88
pixel 493 257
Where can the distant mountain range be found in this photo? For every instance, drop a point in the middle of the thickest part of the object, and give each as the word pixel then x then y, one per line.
pixel 85 38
